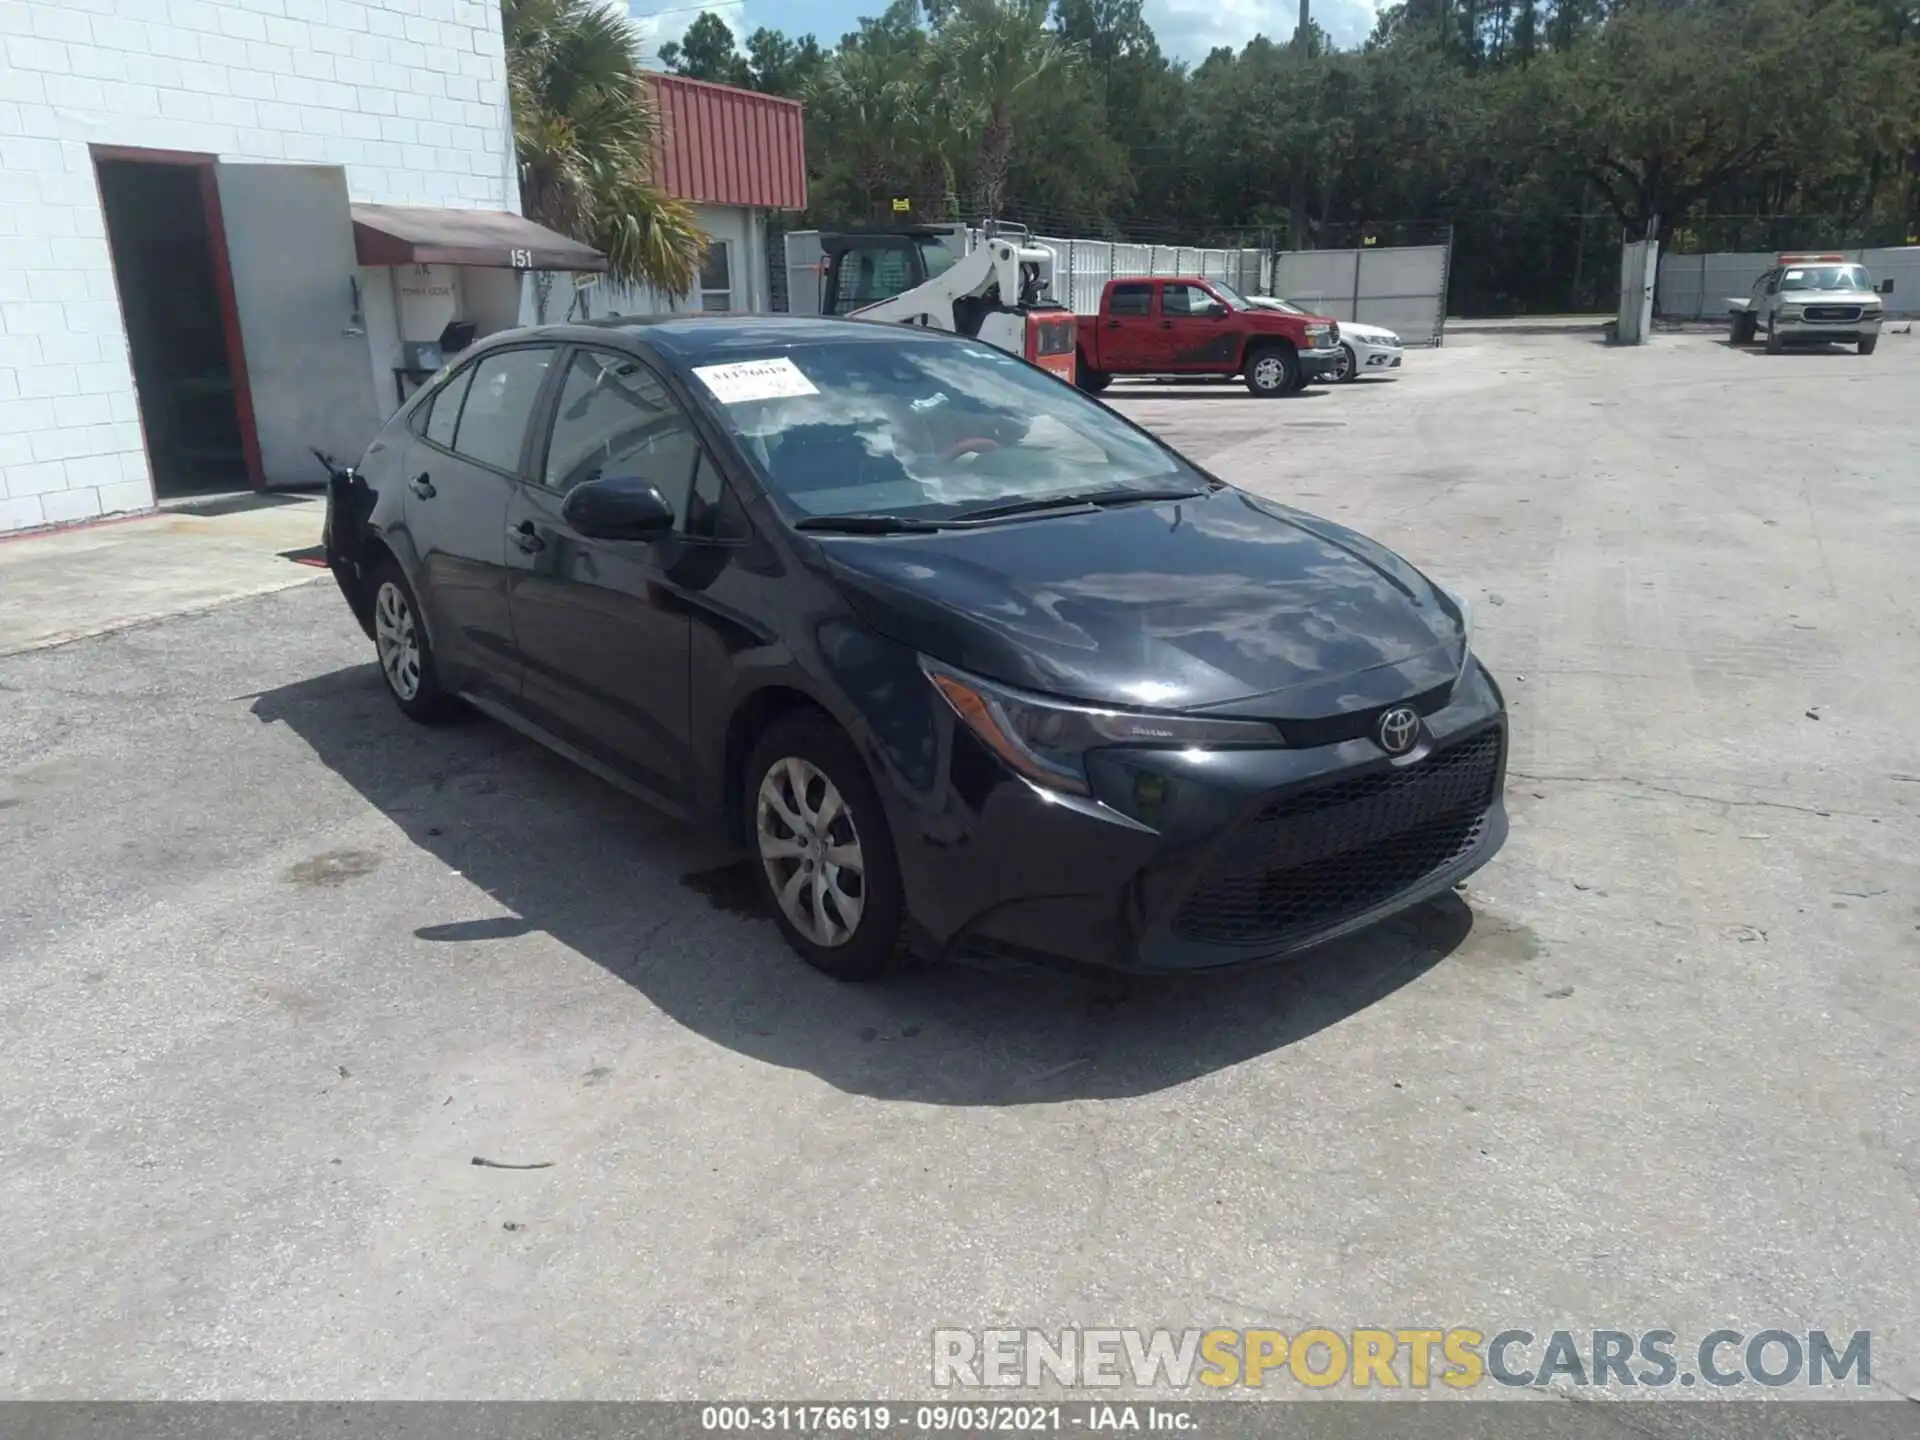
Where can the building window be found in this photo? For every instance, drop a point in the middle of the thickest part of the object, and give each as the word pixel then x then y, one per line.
pixel 716 277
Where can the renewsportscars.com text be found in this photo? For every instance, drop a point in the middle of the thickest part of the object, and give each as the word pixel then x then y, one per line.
pixel 1416 1358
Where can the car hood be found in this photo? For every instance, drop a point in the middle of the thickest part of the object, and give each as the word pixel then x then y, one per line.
pixel 1865 298
pixel 1375 333
pixel 1225 600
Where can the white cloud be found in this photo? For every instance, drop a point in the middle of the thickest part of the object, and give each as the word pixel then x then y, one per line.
pixel 1188 29
pixel 660 21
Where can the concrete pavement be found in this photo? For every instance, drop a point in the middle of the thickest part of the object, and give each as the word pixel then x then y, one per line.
pixel 279 966
pixel 62 585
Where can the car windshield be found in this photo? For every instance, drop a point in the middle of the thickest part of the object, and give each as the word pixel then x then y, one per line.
pixel 1825 277
pixel 924 430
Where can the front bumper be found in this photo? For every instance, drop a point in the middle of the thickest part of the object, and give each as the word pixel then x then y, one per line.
pixel 1841 332
pixel 1197 860
pixel 1315 363
pixel 1372 359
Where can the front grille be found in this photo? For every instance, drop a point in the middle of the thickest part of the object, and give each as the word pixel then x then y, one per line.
pixel 1833 312
pixel 1313 858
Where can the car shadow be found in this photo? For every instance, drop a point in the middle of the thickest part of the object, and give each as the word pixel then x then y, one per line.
pixel 680 921
pixel 1216 393
pixel 1825 348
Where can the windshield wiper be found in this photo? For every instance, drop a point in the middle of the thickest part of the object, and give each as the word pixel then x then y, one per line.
pixel 1075 500
pixel 867 524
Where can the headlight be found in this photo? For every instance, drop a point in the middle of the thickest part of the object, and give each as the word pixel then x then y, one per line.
pixel 1393 342
pixel 1044 739
pixel 1789 312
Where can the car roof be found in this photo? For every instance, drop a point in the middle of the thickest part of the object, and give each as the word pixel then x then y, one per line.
pixel 697 339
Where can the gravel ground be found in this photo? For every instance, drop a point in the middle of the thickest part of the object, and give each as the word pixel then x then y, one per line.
pixel 278 966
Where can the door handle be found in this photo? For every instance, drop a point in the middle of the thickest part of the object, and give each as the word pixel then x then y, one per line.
pixel 422 486
pixel 1113 324
pixel 526 537
pixel 1166 324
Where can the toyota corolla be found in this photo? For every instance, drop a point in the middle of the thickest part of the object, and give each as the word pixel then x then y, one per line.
pixel 960 657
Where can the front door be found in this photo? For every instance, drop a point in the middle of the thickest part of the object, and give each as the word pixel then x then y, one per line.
pixel 602 628
pixel 289 239
pixel 1127 329
pixel 460 470
pixel 1194 334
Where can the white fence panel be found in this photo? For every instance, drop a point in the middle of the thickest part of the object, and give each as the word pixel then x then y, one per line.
pixel 1697 287
pixel 1403 288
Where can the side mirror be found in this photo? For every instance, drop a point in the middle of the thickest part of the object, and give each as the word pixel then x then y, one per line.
pixel 1886 287
pixel 1218 310
pixel 1773 287
pixel 627 508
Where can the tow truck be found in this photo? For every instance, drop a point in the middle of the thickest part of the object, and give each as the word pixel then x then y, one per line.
pixel 1807 297
pixel 997 291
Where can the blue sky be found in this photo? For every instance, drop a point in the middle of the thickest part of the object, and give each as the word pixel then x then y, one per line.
pixel 1187 28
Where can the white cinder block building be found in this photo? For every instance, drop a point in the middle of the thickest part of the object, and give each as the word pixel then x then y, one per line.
pixel 233 229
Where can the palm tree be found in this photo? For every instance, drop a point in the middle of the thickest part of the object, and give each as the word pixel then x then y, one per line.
pixel 992 51
pixel 887 129
pixel 583 128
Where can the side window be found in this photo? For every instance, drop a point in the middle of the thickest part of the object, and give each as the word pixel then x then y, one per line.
pixel 713 511
pixel 615 421
pixel 1184 300
pixel 869 274
pixel 443 409
pixel 1130 300
pixel 493 421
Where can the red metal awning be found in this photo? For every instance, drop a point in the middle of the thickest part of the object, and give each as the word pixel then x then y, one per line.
pixel 409 235
pixel 720 146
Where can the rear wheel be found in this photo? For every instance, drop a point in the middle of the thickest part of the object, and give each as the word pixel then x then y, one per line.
pixel 1089 379
pixel 824 854
pixel 1743 328
pixel 405 653
pixel 1869 343
pixel 1274 370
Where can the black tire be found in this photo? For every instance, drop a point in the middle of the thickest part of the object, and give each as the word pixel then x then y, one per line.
pixel 1869 343
pixel 394 611
pixel 876 939
pixel 1774 343
pixel 1352 363
pixel 1743 325
pixel 1273 370
pixel 1089 379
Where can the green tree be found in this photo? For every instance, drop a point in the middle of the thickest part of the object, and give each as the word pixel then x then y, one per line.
pixel 987 55
pixel 583 136
pixel 707 52
pixel 778 65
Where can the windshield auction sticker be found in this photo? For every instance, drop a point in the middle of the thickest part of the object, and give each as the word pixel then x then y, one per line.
pixel 747 380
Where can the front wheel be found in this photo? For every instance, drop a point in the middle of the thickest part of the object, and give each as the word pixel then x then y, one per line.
pixel 1347 366
pixel 824 854
pixel 1273 371
pixel 1774 343
pixel 405 654
pixel 1743 326
pixel 1869 343
pixel 1089 379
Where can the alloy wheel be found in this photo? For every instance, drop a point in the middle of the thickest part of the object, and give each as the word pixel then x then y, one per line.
pixel 811 851
pixel 1343 366
pixel 397 639
pixel 1269 373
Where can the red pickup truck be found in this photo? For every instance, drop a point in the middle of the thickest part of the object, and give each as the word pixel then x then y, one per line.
pixel 1184 325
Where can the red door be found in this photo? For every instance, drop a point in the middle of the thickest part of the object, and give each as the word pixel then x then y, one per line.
pixel 1129 329
pixel 1196 329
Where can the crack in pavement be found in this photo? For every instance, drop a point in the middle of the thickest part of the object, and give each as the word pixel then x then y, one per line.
pixel 1674 790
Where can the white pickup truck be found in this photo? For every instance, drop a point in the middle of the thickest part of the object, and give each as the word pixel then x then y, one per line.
pixel 1810 298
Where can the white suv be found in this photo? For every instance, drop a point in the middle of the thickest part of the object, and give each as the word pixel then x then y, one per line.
pixel 1811 298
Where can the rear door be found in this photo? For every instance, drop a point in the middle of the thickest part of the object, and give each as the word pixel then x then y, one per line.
pixel 460 472
pixel 1127 328
pixel 603 627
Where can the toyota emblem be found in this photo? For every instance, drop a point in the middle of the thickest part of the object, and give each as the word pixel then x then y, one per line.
pixel 1398 729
